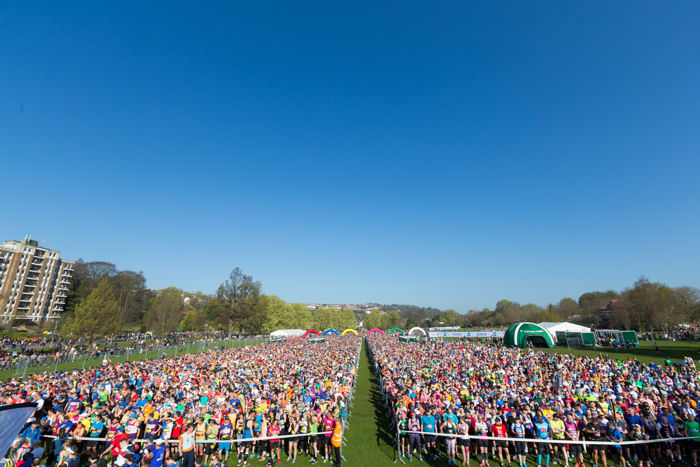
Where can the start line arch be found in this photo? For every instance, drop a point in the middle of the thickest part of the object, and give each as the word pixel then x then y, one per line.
pixel 349 330
pixel 396 329
pixel 376 330
pixel 331 331
pixel 311 331
pixel 417 329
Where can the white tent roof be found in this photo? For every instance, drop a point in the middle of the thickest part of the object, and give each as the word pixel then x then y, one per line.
pixel 287 333
pixel 564 326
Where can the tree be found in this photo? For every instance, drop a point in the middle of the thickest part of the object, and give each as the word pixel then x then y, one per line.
pixel 649 305
pixel 215 313
pixel 273 309
pixel 97 314
pixel 390 320
pixel 373 319
pixel 165 312
pixel 591 302
pixel 687 302
pixel 242 297
pixel 193 321
pixel 567 307
pixel 132 295
pixel 345 319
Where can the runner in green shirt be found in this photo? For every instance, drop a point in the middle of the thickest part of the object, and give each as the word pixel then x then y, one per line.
pixel 692 429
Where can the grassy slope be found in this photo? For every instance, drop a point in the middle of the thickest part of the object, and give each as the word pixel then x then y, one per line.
pixel 645 353
pixel 7 374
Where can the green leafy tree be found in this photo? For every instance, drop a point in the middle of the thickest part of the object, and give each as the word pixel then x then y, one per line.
pixel 132 295
pixel 215 313
pixel 97 314
pixel 345 319
pixel 242 298
pixel 650 306
pixel 591 302
pixel 390 320
pixel 273 309
pixel 194 320
pixel 373 319
pixel 165 312
pixel 566 308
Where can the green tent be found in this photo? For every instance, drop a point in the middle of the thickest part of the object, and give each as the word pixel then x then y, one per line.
pixel 524 334
pixel 588 338
pixel 630 337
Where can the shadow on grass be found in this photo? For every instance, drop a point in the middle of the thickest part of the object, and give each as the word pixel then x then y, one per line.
pixel 383 435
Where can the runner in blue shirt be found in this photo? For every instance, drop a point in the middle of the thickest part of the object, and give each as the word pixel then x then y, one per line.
pixel 542 430
pixel 429 425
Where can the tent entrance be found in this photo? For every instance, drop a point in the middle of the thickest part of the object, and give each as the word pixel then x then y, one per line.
pixel 536 341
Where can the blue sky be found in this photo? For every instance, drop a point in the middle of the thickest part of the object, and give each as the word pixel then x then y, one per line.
pixel 436 153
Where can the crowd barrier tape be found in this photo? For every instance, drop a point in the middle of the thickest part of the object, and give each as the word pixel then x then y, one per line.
pixel 199 441
pixel 548 440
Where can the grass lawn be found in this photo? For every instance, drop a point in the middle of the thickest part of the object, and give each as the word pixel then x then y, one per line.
pixel 645 353
pixel 8 374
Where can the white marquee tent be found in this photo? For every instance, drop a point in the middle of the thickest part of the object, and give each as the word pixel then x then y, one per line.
pixel 287 333
pixel 553 328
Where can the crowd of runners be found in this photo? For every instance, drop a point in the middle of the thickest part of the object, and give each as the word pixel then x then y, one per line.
pixel 168 411
pixel 453 400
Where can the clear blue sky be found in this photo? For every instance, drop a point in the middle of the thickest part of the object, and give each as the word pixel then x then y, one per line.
pixel 436 153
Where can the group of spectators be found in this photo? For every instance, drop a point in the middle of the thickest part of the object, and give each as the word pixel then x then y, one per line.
pixel 455 399
pixel 191 409
pixel 47 350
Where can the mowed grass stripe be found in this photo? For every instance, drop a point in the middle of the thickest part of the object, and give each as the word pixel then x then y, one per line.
pixel 368 441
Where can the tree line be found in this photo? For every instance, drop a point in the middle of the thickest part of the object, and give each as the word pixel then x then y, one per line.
pixel 646 306
pixel 103 300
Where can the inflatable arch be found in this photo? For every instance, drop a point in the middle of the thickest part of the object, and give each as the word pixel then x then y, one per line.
pixel 417 329
pixel 526 334
pixel 395 329
pixel 349 330
pixel 331 331
pixel 311 331
pixel 376 330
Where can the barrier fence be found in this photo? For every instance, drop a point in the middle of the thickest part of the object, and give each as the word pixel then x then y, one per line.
pixel 585 443
pixel 199 441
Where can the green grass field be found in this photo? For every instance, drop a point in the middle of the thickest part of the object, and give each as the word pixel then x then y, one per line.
pixel 645 353
pixel 11 373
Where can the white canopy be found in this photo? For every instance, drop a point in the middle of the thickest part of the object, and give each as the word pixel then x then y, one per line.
pixel 553 328
pixel 287 333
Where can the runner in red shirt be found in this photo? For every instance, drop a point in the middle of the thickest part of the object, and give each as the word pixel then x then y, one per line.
pixel 498 429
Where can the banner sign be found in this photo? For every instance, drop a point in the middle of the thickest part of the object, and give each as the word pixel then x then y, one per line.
pixel 474 334
pixel 12 420
pixel 444 328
